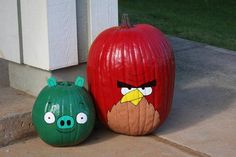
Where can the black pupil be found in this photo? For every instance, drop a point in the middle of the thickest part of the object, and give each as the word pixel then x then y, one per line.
pixel 143 88
pixel 82 117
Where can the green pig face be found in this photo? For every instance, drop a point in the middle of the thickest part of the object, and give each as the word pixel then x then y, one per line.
pixel 63 113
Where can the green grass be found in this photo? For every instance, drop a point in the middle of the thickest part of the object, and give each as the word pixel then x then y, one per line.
pixel 207 21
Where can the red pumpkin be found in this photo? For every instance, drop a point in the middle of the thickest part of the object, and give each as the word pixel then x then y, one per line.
pixel 131 73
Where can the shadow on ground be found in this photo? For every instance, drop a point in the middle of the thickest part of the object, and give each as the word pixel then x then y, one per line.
pixel 99 134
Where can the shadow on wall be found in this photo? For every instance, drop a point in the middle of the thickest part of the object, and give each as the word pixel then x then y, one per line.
pixel 204 87
pixel 4 77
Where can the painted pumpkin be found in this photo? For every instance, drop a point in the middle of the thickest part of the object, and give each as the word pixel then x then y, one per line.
pixel 63 113
pixel 131 73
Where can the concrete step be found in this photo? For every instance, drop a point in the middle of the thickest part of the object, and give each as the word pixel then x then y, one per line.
pixel 102 143
pixel 15 115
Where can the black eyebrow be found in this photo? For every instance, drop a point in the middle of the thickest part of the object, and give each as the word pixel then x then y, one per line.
pixel 149 84
pixel 122 84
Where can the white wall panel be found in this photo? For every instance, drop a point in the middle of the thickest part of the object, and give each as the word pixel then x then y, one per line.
pixel 49 33
pixel 102 14
pixel 9 31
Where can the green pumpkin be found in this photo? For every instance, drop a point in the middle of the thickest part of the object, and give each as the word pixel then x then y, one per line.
pixel 63 113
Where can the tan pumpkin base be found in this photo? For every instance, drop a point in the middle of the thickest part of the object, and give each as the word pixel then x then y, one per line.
pixel 128 119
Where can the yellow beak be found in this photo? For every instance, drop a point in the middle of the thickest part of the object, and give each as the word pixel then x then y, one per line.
pixel 134 97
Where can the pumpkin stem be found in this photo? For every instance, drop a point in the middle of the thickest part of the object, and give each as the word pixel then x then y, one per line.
pixel 125 23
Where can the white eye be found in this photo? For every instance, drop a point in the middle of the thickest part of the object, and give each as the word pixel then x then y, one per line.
pixel 81 118
pixel 145 91
pixel 125 90
pixel 49 117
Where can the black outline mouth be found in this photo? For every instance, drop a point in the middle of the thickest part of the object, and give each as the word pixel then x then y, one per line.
pixel 66 130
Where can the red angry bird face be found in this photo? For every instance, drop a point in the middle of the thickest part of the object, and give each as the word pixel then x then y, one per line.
pixel 134 99
pixel 134 94
pixel 131 78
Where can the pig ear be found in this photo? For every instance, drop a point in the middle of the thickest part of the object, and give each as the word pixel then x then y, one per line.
pixel 79 81
pixel 52 81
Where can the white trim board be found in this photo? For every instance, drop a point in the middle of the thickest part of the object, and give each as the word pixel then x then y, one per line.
pixel 102 14
pixel 9 31
pixel 94 16
pixel 49 33
pixel 55 33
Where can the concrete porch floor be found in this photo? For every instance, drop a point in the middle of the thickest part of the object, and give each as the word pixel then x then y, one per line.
pixel 202 121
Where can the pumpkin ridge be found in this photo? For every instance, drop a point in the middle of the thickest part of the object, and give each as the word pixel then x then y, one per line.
pixel 139 119
pixel 143 55
pixel 128 118
pixel 153 116
pixel 145 119
pixel 162 69
pixel 165 78
pixel 99 60
pixel 153 55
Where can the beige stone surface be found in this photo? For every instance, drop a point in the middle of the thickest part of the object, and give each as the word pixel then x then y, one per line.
pixel 102 143
pixel 15 115
pixel 14 102
pixel 203 115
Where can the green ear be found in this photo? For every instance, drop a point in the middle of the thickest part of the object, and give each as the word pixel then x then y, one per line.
pixel 79 81
pixel 52 81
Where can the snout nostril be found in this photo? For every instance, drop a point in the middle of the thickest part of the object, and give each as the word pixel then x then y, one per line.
pixel 65 122
pixel 62 122
pixel 68 122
